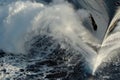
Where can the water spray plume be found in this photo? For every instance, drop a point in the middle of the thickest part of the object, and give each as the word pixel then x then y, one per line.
pixel 83 29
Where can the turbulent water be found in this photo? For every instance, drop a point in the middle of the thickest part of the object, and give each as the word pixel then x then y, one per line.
pixel 57 40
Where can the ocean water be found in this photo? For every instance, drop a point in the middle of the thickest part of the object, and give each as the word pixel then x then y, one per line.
pixel 56 40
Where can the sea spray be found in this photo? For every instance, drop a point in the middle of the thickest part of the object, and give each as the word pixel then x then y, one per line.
pixel 19 19
pixel 15 24
pixel 23 20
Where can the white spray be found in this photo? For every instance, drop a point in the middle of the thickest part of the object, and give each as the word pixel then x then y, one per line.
pixel 22 20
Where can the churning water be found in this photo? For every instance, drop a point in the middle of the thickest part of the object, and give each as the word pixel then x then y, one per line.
pixel 22 20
